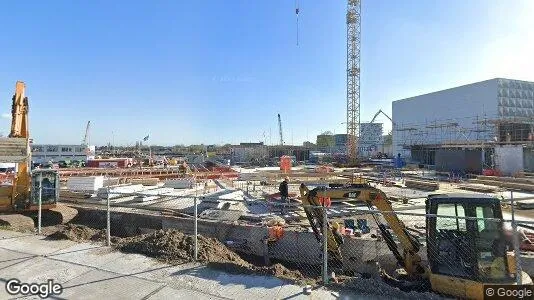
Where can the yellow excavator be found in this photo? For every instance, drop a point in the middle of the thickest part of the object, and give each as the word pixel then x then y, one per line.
pixel 19 197
pixel 466 243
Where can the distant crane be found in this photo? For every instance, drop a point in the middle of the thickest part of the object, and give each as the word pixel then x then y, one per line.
pixel 280 129
pixel 381 112
pixel 86 137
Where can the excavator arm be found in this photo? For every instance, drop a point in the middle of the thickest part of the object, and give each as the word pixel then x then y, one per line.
pixel 408 257
pixel 19 129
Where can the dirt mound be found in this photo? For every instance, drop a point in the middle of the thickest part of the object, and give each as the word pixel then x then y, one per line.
pixel 76 233
pixel 173 246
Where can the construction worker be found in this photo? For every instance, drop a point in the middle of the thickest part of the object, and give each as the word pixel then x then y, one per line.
pixel 284 191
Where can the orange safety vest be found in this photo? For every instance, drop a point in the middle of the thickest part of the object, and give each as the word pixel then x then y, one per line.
pixel 275 233
pixel 325 201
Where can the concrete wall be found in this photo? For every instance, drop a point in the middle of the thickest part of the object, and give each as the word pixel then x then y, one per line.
pixel 456 105
pixel 295 246
pixel 528 159
pixel 509 159
pixel 300 247
pixel 458 160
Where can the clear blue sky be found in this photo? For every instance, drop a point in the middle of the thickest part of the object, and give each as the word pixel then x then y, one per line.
pixel 220 71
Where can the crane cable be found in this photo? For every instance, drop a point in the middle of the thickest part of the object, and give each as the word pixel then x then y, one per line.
pixel 297 15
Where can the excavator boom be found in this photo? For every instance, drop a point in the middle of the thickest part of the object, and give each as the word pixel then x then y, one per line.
pixel 373 197
pixel 23 194
pixel 19 129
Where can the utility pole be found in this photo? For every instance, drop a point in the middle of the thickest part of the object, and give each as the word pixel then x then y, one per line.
pixel 353 77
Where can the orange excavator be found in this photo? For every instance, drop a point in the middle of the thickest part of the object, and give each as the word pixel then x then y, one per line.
pixel 20 197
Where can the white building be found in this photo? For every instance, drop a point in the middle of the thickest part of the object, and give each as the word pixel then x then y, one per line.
pixel 492 112
pixel 56 153
pixel 371 141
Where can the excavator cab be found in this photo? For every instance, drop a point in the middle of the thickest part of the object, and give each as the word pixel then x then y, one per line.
pixel 466 244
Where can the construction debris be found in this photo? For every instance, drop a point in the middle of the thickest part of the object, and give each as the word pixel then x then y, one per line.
pixel 179 183
pixel 479 188
pixel 422 185
pixel 85 184
pixel 145 181
pixel 512 183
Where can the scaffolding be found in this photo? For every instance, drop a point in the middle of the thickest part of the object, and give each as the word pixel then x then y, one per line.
pixel 475 132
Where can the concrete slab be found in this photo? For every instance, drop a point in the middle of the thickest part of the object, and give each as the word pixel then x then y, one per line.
pixel 40 246
pixel 297 293
pixel 170 293
pixel 226 285
pixel 88 254
pixel 9 258
pixel 85 271
pixel 3 292
pixel 8 234
pixel 133 264
pixel 40 269
pixel 99 284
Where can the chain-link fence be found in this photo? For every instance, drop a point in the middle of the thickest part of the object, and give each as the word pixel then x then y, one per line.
pixel 310 244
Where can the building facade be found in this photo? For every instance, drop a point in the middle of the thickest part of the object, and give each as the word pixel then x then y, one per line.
pixel 326 139
pixel 57 153
pixel 371 141
pixel 476 116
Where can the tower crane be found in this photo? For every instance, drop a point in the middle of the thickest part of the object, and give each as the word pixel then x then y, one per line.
pixel 86 137
pixel 280 130
pixel 353 77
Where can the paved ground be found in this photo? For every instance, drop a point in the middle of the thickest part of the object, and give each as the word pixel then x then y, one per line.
pixel 91 271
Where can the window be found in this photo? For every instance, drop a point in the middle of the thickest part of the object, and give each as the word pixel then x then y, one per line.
pixel 51 149
pixel 491 246
pixel 451 223
pixel 37 149
pixel 66 149
pixel 80 149
pixel 486 225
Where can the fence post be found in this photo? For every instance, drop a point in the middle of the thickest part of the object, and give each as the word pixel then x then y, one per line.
pixel 108 219
pixel 517 252
pixel 325 247
pixel 40 200
pixel 196 230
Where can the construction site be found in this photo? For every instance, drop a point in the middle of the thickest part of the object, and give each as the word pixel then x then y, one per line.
pixel 439 208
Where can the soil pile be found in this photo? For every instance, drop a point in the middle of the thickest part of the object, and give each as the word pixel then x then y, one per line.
pixel 173 246
pixel 76 233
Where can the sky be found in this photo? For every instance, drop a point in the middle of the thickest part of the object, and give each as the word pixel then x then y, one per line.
pixel 215 72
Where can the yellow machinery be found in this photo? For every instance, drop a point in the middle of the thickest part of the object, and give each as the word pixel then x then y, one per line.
pixel 23 193
pixel 465 250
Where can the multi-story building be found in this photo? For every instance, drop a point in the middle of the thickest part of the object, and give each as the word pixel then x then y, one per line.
pixel 56 153
pixel 248 152
pixel 325 139
pixel 370 141
pixel 488 124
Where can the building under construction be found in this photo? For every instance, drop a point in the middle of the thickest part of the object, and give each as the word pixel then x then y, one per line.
pixel 471 128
